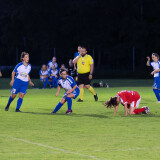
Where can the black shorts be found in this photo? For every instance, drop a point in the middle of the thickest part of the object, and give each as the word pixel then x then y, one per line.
pixel 84 79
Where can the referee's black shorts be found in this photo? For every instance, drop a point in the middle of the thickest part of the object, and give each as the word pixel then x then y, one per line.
pixel 84 79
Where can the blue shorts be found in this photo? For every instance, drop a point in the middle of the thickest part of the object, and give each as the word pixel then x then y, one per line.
pixel 75 93
pixel 156 82
pixel 19 86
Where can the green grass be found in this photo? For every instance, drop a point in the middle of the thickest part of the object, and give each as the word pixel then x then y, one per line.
pixel 90 132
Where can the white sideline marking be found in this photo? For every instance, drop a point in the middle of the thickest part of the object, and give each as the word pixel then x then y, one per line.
pixel 132 149
pixel 58 149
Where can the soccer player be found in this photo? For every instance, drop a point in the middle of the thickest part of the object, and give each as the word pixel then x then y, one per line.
pixel 156 72
pixel 44 76
pixel 20 81
pixel 71 70
pixel 71 91
pixel 51 63
pixel 130 100
pixel 54 76
pixel 85 71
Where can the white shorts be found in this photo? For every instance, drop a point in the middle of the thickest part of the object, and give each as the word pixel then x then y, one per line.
pixel 136 103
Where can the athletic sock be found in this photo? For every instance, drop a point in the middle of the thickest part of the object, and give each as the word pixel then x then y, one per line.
pixel 69 102
pixel 139 110
pixel 47 81
pixel 59 105
pixel 81 93
pixel 92 90
pixel 9 101
pixel 156 91
pixel 19 103
pixel 44 84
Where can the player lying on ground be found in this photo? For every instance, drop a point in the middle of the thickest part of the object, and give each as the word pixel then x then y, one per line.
pixel 21 81
pixel 71 91
pixel 156 66
pixel 130 100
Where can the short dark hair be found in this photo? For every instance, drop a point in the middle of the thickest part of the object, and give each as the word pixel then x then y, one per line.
pixel 23 55
pixel 156 54
pixel 62 70
pixel 84 48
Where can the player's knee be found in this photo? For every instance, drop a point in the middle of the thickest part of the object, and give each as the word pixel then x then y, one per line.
pixel 21 96
pixel 63 101
pixel 13 96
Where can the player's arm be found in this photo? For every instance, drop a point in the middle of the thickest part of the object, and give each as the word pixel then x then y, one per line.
pixel 72 89
pixel 125 109
pixel 115 110
pixel 58 90
pixel 156 70
pixel 30 82
pixel 12 78
pixel 148 61
pixel 91 71
pixel 0 74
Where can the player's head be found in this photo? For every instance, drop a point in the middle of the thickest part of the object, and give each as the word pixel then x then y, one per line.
pixel 63 73
pixel 83 51
pixel 112 102
pixel 24 57
pixel 54 59
pixel 155 57
pixel 63 66
pixel 70 63
pixel 44 67
pixel 79 48
pixel 53 67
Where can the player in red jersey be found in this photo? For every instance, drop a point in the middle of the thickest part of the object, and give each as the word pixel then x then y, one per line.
pixel 130 100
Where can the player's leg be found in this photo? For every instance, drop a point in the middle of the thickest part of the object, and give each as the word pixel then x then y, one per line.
pixel 156 87
pixel 90 88
pixel 11 98
pixel 81 93
pixel 19 102
pixel 44 83
pixel 53 81
pixel 14 91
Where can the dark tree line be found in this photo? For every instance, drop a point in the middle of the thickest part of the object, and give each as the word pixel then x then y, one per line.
pixel 111 27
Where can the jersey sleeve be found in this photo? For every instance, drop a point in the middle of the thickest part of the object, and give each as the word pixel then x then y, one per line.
pixel 40 72
pixel 30 69
pixel 15 69
pixel 91 60
pixel 151 63
pixel 59 84
pixel 73 83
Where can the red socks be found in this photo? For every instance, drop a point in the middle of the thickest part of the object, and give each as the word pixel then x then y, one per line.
pixel 139 110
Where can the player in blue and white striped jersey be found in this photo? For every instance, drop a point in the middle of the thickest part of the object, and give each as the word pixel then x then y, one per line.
pixel 20 81
pixel 54 75
pixel 71 91
pixel 44 74
pixel 156 72
pixel 51 63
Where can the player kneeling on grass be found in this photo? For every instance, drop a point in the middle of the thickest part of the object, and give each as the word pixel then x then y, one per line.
pixel 44 76
pixel 130 100
pixel 71 91
pixel 21 81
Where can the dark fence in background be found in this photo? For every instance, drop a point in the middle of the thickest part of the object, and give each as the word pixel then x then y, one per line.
pixel 109 63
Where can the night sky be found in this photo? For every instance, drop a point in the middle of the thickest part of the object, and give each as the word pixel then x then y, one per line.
pixel 109 28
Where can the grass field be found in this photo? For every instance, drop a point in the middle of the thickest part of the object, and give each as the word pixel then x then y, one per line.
pixel 90 132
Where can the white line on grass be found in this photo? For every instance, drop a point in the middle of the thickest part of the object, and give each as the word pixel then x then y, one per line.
pixel 58 149
pixel 131 149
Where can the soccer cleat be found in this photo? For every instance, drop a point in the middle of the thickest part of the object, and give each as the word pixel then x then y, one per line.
pixel 69 112
pixel 7 108
pixel 52 112
pixel 96 97
pixel 158 102
pixel 17 110
pixel 80 100
pixel 146 110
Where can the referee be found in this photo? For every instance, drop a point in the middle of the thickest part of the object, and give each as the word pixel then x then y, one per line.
pixel 85 71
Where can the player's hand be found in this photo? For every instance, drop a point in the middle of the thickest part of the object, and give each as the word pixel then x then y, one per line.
pixel 152 73
pixel 57 94
pixel 31 83
pixel 68 92
pixel 90 76
pixel 148 58
pixel 11 83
